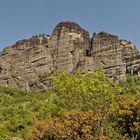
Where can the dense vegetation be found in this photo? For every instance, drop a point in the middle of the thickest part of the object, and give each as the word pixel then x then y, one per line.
pixel 78 107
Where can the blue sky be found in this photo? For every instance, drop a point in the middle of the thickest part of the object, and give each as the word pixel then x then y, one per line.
pixel 21 19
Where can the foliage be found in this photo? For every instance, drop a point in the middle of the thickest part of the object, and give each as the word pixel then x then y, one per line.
pixel 19 110
pixel 94 93
pixel 127 115
pixel 131 86
pixel 84 91
pixel 74 125
pixel 79 106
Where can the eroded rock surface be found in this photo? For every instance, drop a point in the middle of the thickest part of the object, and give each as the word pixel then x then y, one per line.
pixel 26 64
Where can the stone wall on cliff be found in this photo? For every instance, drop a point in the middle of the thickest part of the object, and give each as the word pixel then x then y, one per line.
pixel 28 63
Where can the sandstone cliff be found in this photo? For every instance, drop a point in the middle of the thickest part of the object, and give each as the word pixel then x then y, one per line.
pixel 27 63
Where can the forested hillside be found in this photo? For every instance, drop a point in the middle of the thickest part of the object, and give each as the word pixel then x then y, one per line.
pixel 77 107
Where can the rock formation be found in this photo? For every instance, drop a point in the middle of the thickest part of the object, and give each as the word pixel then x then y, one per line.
pixel 26 64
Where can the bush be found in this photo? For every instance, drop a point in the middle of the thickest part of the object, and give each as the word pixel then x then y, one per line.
pixel 74 125
pixel 127 115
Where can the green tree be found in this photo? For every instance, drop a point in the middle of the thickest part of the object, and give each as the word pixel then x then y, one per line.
pixel 88 92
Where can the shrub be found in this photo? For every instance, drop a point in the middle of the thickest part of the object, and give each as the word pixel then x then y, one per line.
pixel 74 125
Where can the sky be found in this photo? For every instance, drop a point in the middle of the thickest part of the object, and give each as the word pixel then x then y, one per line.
pixel 21 19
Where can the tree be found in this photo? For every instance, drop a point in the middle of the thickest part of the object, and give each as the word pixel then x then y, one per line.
pixel 87 92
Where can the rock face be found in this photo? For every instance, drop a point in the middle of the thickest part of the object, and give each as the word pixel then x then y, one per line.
pixel 106 49
pixel 26 64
